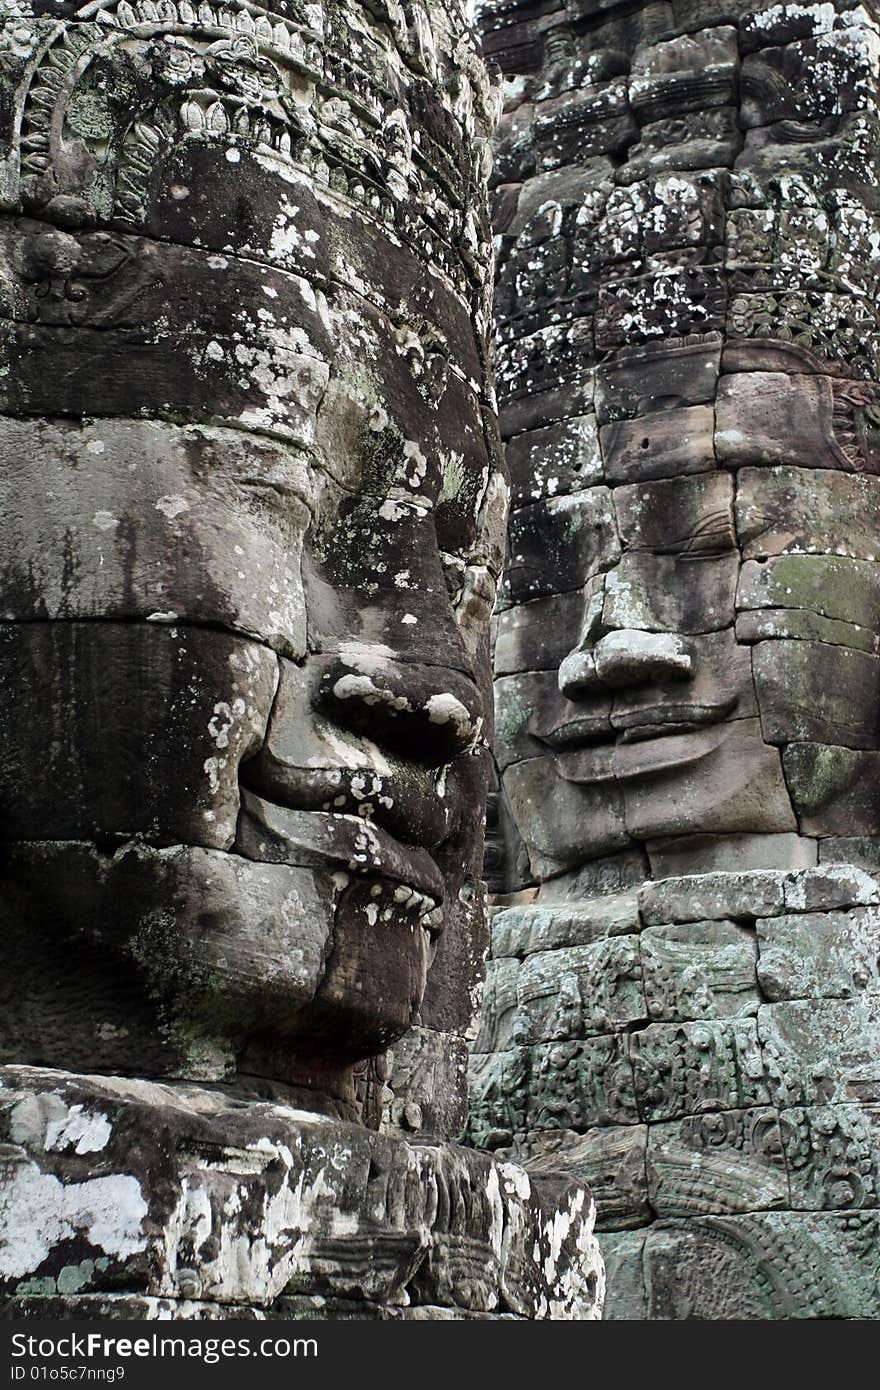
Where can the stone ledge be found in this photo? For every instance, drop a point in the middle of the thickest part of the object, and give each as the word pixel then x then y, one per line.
pixel 181 1194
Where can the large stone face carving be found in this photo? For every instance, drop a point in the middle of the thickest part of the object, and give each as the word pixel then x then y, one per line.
pixel 254 511
pixel 687 670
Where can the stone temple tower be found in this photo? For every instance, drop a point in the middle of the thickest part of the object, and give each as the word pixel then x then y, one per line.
pixel 683 1004
pixel 253 511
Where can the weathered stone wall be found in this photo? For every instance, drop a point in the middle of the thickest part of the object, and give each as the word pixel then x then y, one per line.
pixel 253 515
pixel 143 1199
pixel 686 656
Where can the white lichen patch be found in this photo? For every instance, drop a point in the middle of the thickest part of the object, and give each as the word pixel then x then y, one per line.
pixel 80 1130
pixel 39 1213
pixel 172 505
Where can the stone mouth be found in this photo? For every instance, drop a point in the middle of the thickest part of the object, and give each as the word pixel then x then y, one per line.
pixel 646 748
pixel 666 718
pixel 372 850
pixel 640 723
pixel 353 845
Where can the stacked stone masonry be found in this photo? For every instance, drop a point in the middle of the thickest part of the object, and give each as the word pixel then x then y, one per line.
pixel 126 1198
pixel 704 1054
pixel 254 511
pixel 682 1004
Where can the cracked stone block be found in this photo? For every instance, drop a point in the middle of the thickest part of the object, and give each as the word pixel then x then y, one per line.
pixel 699 970
pixel 722 1162
pixel 789 623
pixel 831 886
pixel 860 850
pixel 819 955
pixel 830 586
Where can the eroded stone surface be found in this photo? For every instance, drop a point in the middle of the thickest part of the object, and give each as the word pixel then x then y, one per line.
pixel 177 1193
pixel 254 514
pixel 686 231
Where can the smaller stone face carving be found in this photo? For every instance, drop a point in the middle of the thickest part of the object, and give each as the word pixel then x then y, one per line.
pixel 682 1004
pixel 687 625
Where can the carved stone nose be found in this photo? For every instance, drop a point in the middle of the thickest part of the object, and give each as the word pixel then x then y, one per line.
pixel 626 657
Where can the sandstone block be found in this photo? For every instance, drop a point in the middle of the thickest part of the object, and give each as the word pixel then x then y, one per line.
pixel 699 970
pixel 717 1163
pixel 579 991
pixel 819 955
pixel 813 692
pixel 693 1068
pixel 713 896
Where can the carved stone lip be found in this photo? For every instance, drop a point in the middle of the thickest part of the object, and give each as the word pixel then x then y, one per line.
pixel 657 748
pixel 276 832
pixel 375 852
pixel 670 750
pixel 645 721
pixel 576 732
pixel 660 720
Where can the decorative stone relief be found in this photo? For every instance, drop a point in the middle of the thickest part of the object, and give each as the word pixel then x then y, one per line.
pixel 254 513
pixel 682 999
